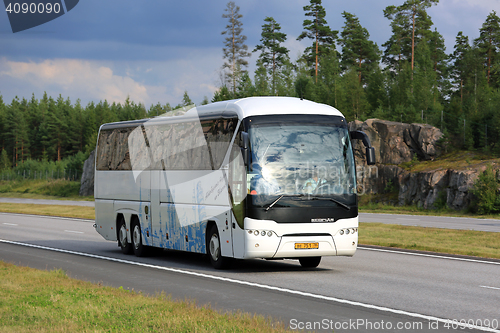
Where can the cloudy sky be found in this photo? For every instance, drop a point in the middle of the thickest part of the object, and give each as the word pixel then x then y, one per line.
pixel 155 50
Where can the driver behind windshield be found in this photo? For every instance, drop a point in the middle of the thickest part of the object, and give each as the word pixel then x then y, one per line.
pixel 312 183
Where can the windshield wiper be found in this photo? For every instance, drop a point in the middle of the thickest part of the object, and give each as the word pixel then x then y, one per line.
pixel 341 204
pixel 274 202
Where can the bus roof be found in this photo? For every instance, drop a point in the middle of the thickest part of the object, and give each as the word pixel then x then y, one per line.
pixel 244 107
pixel 254 106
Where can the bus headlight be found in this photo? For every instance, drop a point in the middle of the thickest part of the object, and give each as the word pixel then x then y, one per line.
pixel 256 232
pixel 269 233
pixel 263 233
pixel 348 231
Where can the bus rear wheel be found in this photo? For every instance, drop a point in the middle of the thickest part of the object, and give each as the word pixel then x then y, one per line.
pixel 310 262
pixel 139 249
pixel 125 246
pixel 214 250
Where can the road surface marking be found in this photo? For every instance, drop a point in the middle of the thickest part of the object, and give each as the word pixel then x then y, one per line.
pixel 75 232
pixel 9 224
pixel 256 285
pixel 490 287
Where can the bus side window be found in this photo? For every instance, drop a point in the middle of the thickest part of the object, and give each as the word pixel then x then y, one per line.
pixel 237 183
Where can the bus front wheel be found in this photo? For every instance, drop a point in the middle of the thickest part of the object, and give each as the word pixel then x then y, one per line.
pixel 139 248
pixel 125 246
pixel 214 250
pixel 309 262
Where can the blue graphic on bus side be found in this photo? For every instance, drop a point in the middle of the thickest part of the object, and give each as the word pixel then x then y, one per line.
pixel 26 14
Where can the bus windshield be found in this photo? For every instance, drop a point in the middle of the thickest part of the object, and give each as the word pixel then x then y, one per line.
pixel 299 158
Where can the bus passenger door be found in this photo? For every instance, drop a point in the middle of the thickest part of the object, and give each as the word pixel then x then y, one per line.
pixel 237 194
pixel 157 229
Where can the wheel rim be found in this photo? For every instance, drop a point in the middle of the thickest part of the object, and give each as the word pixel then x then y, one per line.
pixel 123 236
pixel 137 237
pixel 214 247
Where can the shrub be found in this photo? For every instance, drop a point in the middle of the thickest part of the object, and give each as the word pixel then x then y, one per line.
pixel 485 191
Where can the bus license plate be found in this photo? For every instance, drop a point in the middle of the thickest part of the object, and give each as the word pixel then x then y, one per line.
pixel 306 246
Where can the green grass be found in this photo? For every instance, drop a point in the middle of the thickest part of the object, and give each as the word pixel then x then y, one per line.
pixel 49 301
pixel 49 210
pixel 453 160
pixel 41 189
pixel 450 241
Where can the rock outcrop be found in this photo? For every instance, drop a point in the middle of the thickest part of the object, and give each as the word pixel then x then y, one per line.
pixel 396 143
pixel 87 181
pixel 441 187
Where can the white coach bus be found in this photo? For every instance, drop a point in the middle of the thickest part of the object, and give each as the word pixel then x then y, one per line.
pixel 259 177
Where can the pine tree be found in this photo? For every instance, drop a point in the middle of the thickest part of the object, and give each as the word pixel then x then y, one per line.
pixel 5 163
pixel 488 45
pixel 186 100
pixel 357 50
pixel 327 89
pixel 377 92
pixel 245 87
pixel 353 96
pixel 261 80
pixel 235 49
pixel 273 56
pixel 425 97
pixel 16 134
pixel 222 94
pixel 410 22
pixel 285 81
pixel 319 32
pixel 460 64
pixel 2 123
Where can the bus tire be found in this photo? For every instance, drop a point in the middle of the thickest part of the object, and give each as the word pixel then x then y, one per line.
pixel 139 249
pixel 123 243
pixel 310 262
pixel 214 250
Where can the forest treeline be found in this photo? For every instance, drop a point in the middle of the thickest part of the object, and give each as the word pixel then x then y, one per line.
pixel 409 78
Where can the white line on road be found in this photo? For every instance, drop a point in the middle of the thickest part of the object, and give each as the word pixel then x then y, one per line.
pixel 490 287
pixel 430 255
pixel 75 232
pixel 9 224
pixel 257 285
pixel 401 218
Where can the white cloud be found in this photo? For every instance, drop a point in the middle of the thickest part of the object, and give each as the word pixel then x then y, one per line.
pixel 147 82
pixel 89 78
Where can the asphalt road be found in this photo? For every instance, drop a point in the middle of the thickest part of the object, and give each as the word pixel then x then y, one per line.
pixel 373 287
pixel 412 220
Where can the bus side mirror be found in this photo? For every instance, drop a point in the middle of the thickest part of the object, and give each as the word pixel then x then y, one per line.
pixel 370 151
pixel 370 155
pixel 244 150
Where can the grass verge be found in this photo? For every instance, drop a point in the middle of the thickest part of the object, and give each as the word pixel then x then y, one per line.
pixel 381 208
pixel 50 301
pixel 449 241
pixel 41 189
pixel 49 210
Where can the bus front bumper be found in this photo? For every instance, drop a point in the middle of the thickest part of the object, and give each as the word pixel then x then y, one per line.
pixel 267 239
